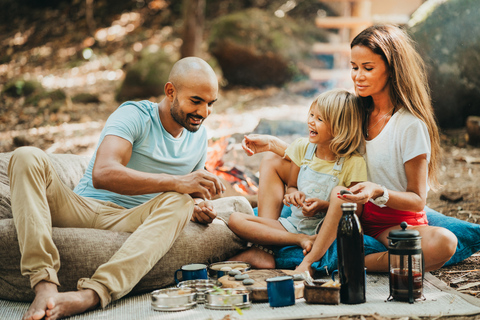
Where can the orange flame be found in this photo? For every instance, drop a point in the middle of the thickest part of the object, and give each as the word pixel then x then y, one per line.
pixel 214 164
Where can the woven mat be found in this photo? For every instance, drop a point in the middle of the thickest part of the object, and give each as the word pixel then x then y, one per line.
pixel 440 301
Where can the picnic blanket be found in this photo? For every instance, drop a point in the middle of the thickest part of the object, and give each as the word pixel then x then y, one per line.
pixel 440 300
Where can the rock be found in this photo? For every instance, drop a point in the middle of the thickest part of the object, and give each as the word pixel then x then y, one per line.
pixel 451 196
pixel 146 77
pixel 447 33
pixel 257 49
pixel 473 130
pixel 234 272
pixel 240 277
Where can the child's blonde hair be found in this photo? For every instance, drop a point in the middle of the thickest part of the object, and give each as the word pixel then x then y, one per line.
pixel 340 110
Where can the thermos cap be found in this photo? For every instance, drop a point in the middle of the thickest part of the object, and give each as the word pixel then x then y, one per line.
pixel 404 234
pixel 349 206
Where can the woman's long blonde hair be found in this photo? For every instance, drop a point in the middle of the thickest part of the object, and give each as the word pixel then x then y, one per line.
pixel 340 110
pixel 409 86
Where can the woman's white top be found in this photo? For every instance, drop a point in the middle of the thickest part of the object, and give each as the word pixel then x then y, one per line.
pixel 403 138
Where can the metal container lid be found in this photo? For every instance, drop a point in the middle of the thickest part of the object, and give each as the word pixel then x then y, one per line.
pixel 349 206
pixel 404 234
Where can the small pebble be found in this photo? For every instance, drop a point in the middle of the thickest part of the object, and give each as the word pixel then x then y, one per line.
pixel 234 272
pixel 342 192
pixel 248 282
pixel 239 277
pixel 225 269
pixel 298 277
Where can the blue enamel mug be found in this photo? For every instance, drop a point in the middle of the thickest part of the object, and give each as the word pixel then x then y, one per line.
pixel 192 271
pixel 281 292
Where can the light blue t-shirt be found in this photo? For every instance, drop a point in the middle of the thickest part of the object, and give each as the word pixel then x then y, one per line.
pixel 154 150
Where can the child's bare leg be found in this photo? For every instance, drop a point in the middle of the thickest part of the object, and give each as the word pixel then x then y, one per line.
pixel 263 231
pixel 327 234
pixel 256 257
pixel 274 172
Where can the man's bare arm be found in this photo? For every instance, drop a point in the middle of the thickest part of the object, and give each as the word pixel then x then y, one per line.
pixel 110 173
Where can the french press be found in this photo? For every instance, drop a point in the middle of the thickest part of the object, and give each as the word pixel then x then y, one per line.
pixel 406 265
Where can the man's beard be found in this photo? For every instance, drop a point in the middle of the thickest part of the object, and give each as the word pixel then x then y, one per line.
pixel 182 119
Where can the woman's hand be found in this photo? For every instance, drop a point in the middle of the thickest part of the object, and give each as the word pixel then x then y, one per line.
pixel 296 198
pixel 256 143
pixel 312 206
pixel 362 192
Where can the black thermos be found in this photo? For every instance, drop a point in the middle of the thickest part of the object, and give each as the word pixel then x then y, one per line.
pixel 351 256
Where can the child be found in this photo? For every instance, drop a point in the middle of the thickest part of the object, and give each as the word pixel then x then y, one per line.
pixel 326 161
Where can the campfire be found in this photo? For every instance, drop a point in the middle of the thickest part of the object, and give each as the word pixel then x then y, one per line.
pixel 242 181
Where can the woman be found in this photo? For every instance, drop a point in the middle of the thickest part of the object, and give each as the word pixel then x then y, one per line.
pixel 402 147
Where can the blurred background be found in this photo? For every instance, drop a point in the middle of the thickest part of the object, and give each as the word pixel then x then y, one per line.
pixel 65 65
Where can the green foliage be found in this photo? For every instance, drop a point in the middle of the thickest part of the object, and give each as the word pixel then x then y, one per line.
pixel 146 77
pixel 21 88
pixel 85 98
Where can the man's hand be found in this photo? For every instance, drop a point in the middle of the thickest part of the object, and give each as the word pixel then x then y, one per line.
pixel 201 182
pixel 296 198
pixel 203 212
pixel 312 206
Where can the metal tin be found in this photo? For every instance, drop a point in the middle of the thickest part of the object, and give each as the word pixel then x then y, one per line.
pixel 321 295
pixel 173 299
pixel 199 286
pixel 215 272
pixel 230 299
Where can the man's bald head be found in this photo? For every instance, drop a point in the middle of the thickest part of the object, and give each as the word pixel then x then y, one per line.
pixel 192 70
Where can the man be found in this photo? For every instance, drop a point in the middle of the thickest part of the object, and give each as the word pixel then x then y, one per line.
pixel 141 179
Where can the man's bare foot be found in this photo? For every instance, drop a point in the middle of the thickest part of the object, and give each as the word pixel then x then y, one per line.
pixel 43 291
pixel 49 304
pixel 256 257
pixel 66 304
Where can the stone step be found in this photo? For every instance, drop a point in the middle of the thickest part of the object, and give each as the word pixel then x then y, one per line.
pixel 342 22
pixel 329 74
pixel 331 48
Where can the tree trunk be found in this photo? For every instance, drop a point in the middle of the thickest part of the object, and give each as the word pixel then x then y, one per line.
pixel 193 21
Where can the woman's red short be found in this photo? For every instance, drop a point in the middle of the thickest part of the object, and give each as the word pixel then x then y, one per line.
pixel 376 220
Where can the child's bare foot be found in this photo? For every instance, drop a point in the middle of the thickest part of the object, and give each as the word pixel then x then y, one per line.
pixel 43 291
pixel 307 243
pixel 66 304
pixel 256 257
pixel 305 267
pixel 49 304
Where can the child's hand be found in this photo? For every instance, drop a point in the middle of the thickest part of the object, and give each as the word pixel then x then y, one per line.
pixel 296 198
pixel 255 143
pixel 312 206
pixel 204 212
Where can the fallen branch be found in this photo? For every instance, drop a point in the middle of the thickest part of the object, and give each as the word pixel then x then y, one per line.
pixel 469 285
pixel 460 271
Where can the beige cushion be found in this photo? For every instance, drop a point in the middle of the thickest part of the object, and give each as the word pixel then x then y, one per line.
pixel 83 250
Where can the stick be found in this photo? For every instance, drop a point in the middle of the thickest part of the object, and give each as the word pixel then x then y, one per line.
pixel 460 271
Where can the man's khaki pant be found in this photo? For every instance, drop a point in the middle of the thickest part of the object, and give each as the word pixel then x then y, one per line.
pixel 41 201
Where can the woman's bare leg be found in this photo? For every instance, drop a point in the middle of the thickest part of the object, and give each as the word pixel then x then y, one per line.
pixel 274 172
pixel 438 246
